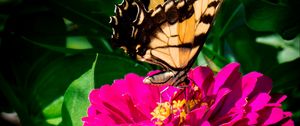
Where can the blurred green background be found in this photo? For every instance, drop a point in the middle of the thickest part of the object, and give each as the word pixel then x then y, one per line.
pixel 48 51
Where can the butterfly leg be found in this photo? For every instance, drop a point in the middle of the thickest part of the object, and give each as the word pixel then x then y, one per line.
pixel 161 93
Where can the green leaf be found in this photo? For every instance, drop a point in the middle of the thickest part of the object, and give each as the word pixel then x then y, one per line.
pixel 52 112
pixel 111 67
pixel 101 44
pixel 78 42
pixel 219 60
pixel 263 15
pixel 212 59
pixel 92 14
pixel 289 48
pixel 285 75
pixel 52 81
pixel 229 17
pixel 61 49
pixel 251 55
pixel 76 98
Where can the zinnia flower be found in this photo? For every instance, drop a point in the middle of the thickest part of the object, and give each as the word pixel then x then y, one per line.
pixel 225 99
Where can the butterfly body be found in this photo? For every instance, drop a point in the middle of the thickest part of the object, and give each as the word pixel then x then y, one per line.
pixel 165 33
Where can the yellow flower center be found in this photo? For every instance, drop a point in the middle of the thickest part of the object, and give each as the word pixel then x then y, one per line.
pixel 178 105
pixel 178 108
pixel 161 112
pixel 165 109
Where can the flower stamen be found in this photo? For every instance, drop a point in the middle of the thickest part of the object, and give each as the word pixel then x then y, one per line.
pixel 161 112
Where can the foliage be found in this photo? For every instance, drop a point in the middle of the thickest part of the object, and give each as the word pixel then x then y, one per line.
pixel 48 48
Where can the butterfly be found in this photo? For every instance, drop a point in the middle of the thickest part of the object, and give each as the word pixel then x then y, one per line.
pixel 166 33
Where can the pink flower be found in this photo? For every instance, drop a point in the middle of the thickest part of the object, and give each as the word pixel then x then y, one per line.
pixel 225 99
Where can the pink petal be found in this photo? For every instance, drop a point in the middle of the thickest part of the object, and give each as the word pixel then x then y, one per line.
pixel 229 101
pixel 290 122
pixel 227 76
pixel 251 85
pixel 203 77
pixel 252 117
pixel 249 82
pixel 261 82
pixel 214 108
pixel 206 123
pixel 259 102
pixel 275 116
pixel 195 117
pixel 96 120
pixel 277 99
pixel 142 95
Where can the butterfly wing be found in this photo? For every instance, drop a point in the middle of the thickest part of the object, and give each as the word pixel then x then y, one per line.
pixel 176 42
pixel 169 35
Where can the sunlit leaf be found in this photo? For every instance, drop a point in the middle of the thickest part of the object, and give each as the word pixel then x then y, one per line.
pixel 78 42
pixel 52 112
pixel 289 48
pixel 76 98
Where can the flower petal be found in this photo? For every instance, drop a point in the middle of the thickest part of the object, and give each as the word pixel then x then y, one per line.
pixel 271 116
pixel 225 99
pixel 227 77
pixel 203 79
pixel 195 117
